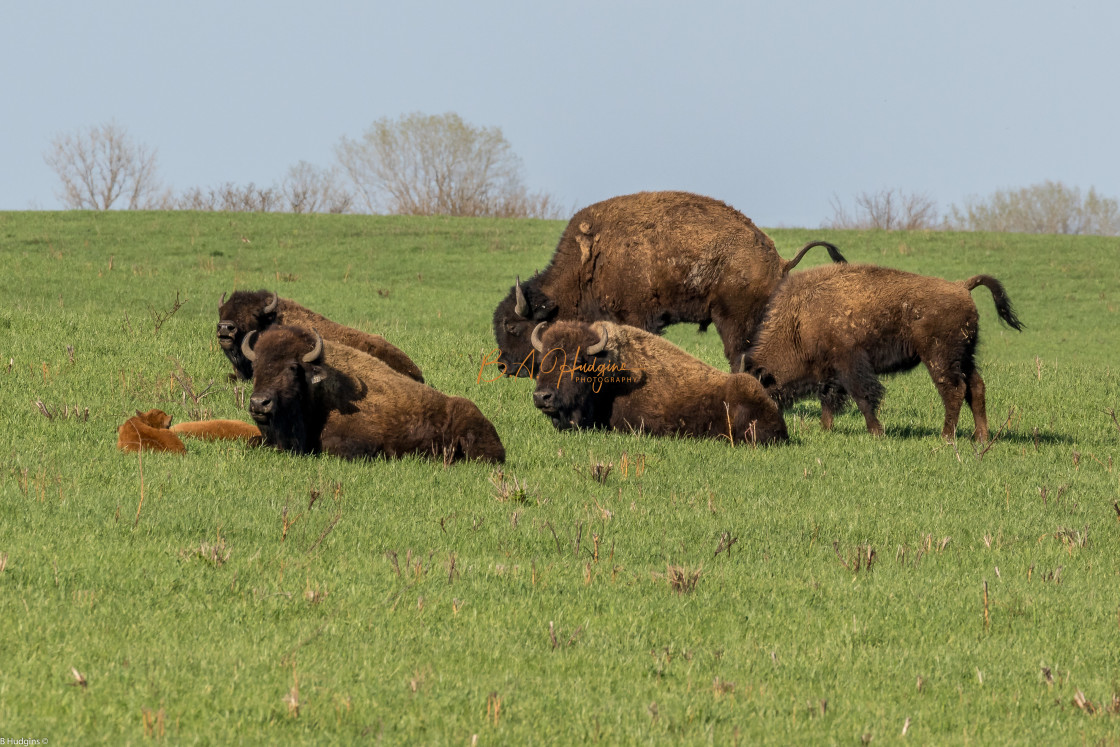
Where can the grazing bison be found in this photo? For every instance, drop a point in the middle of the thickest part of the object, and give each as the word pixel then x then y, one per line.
pixel 606 374
pixel 312 395
pixel 649 260
pixel 248 311
pixel 147 431
pixel 830 330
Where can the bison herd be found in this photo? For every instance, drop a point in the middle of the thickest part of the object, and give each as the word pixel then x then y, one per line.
pixel 587 328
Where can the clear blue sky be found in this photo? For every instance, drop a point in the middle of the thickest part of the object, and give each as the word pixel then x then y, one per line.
pixel 774 107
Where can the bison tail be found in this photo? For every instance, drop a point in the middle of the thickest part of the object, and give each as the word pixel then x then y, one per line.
pixel 999 295
pixel 833 254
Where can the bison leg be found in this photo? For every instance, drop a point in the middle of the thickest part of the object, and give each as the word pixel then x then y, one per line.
pixel 350 447
pixel 952 387
pixel 974 395
pixel 833 400
pixel 863 385
pixel 733 332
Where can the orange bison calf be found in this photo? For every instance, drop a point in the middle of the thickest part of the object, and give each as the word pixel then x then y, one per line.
pixel 831 330
pixel 312 395
pixel 147 431
pixel 219 430
pixel 611 375
pixel 152 431
pixel 248 311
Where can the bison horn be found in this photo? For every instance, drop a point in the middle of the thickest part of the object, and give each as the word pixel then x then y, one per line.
pixel 521 308
pixel 315 351
pixel 536 338
pixel 222 302
pixel 602 343
pixel 271 307
pixel 246 350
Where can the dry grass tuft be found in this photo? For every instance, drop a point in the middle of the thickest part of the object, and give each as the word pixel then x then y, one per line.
pixel 511 490
pixel 682 580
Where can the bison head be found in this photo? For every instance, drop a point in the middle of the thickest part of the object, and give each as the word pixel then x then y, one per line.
pixel 579 374
pixel 242 313
pixel 287 369
pixel 517 315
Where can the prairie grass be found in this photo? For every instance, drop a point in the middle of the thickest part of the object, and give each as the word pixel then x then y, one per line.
pixel 600 587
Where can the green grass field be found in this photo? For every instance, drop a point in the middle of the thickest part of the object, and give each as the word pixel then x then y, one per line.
pixel 837 589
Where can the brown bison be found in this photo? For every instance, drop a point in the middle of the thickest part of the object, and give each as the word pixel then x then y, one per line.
pixel 649 260
pixel 610 375
pixel 829 331
pixel 248 311
pixel 312 395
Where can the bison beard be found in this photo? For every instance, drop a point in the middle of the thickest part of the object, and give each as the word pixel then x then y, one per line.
pixel 831 331
pixel 313 396
pixel 610 375
pixel 256 311
pixel 649 260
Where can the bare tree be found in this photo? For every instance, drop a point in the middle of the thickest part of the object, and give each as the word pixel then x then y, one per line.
pixel 424 164
pixel 1049 207
pixel 310 189
pixel 102 167
pixel 887 209
pixel 232 198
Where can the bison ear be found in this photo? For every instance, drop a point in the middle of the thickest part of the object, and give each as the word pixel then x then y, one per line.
pixel 316 373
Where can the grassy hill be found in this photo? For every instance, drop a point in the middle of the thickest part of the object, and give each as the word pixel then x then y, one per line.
pixel 838 588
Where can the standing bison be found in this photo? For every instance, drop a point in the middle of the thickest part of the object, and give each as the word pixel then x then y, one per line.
pixel 830 331
pixel 312 396
pixel 610 375
pixel 649 260
pixel 248 311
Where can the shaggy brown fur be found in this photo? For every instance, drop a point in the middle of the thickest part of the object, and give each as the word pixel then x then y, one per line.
pixel 646 383
pixel 244 312
pixel 830 330
pixel 649 260
pixel 345 402
pixel 219 430
pixel 147 431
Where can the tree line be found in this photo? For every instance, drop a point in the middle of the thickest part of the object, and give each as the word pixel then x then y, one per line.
pixel 1048 207
pixel 417 164
pixel 422 164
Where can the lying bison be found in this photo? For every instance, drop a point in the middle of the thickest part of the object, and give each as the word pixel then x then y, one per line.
pixel 152 431
pixel 649 260
pixel 610 375
pixel 830 330
pixel 311 396
pixel 148 431
pixel 248 311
